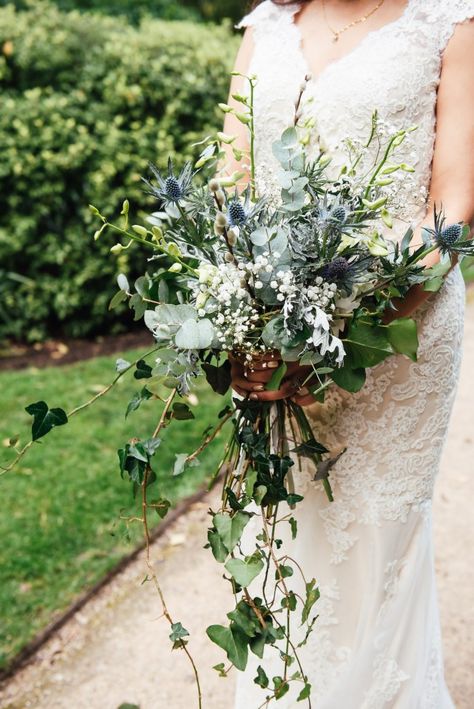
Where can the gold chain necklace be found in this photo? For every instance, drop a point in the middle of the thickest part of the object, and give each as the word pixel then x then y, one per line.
pixel 337 33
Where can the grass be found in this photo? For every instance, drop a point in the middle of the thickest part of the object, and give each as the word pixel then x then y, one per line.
pixel 60 517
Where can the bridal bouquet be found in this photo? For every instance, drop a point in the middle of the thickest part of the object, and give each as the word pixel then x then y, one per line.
pixel 236 278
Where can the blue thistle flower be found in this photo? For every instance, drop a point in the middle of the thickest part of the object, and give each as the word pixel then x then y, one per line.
pixel 338 215
pixel 171 188
pixel 337 269
pixel 236 213
pixel 449 236
pixel 445 237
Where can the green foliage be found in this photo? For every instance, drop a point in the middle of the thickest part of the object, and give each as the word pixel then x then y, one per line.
pixel 64 506
pixel 87 101
pixel 134 10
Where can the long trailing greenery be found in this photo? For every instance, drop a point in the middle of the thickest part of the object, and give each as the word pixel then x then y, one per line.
pixel 305 279
pixel 65 511
pixel 87 100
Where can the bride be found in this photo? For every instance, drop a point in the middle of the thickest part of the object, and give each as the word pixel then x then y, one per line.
pixel 377 642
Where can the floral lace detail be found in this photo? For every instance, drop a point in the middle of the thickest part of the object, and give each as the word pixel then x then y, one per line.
pixel 388 678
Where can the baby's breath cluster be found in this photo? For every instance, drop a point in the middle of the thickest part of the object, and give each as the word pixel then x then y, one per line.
pixel 224 298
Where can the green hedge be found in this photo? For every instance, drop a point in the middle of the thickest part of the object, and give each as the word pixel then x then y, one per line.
pixel 87 101
pixel 213 10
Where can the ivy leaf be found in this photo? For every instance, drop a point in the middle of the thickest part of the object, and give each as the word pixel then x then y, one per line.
pixel 182 412
pixel 261 679
pixel 281 687
pixel 121 365
pixel 403 336
pixel 182 462
pixel 285 571
pixel 230 529
pixel 233 642
pixel 305 693
pixel 143 370
pixel 367 345
pixel 312 595
pixel 161 507
pixel 178 632
pixel 218 378
pixel 244 572
pixel 294 527
pixel 218 549
pixel 45 419
pixel 137 400
pixel 351 380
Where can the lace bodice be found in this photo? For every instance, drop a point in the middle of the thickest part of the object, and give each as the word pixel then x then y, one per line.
pixel 394 70
pixel 377 643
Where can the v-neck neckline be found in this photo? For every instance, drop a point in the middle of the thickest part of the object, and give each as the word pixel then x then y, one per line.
pixel 330 66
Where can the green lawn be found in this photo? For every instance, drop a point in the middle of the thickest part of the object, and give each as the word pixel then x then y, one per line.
pixel 60 509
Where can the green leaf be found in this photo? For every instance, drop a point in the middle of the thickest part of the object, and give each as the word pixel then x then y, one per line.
pixel 218 378
pixel 403 336
pixel 433 285
pixel 122 282
pixel 305 693
pixel 161 507
pixel 143 370
pixel 178 632
pixel 281 687
pixel 312 595
pixel 137 400
pixel 195 335
pixel 233 642
pixel 230 528
pixel 218 549
pixel 367 345
pixel 182 412
pixel 244 572
pixel 351 380
pixel 118 298
pixel 182 462
pixel 261 679
pixel 45 419
pixel 277 376
pixel 285 571
pixel 294 527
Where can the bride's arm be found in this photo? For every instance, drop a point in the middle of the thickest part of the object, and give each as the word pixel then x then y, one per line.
pixel 452 182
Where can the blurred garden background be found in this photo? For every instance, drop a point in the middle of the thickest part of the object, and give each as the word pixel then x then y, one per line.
pixel 91 91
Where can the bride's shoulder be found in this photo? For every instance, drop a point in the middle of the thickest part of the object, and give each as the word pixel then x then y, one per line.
pixel 267 11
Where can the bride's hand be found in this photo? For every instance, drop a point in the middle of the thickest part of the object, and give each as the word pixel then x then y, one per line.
pixel 251 383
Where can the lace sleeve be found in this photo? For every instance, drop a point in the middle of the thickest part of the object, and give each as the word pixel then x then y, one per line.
pixel 455 12
pixel 261 13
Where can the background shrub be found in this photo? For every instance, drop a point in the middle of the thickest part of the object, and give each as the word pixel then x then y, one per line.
pixel 87 101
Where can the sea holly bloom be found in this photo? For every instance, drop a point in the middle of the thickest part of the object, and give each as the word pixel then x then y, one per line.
pixel 172 188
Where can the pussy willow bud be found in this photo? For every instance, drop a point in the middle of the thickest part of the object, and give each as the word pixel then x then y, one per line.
pixel 229 258
pixel 221 219
pixel 232 237
pixel 218 229
pixel 220 197
pixel 214 185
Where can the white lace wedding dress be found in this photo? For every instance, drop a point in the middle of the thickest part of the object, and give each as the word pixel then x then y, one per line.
pixel 377 641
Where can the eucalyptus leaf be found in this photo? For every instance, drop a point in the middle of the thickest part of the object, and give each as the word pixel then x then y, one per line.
pixel 195 334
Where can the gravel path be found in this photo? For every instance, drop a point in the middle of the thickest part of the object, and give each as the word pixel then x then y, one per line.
pixel 116 650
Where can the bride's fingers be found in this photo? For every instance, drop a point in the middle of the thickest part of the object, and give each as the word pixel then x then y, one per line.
pixel 286 390
pixel 246 385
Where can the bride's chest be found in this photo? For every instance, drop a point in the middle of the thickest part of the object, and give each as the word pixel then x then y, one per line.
pixel 394 73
